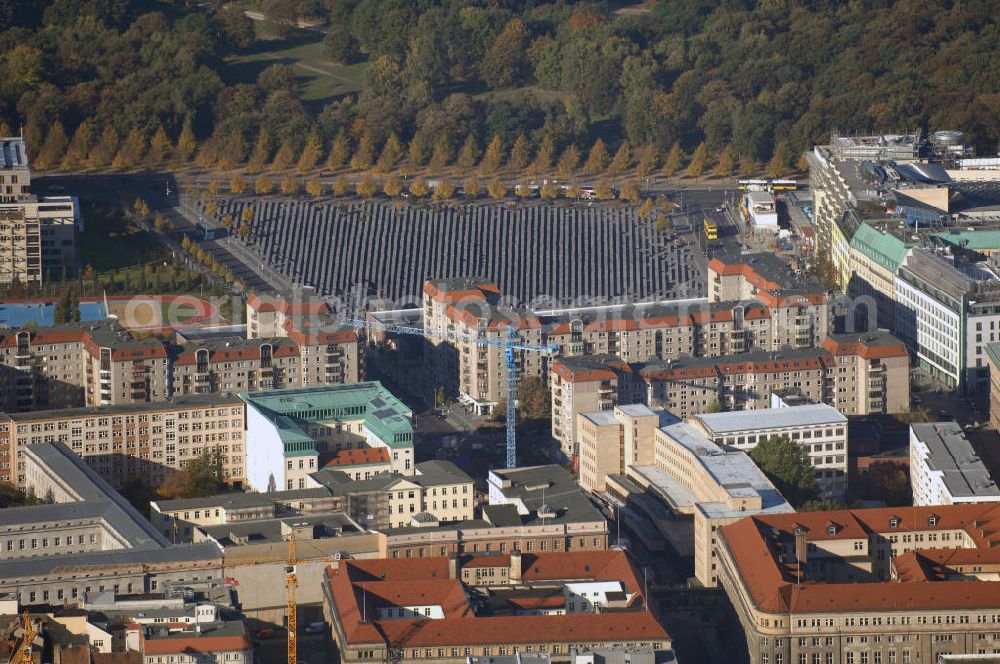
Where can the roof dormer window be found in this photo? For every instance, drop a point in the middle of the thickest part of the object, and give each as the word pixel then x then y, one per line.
pixel 932 520
pixel 894 522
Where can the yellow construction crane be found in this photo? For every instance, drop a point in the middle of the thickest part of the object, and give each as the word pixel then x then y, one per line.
pixel 22 654
pixel 291 585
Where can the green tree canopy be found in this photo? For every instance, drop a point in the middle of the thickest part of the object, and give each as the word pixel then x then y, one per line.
pixel 786 464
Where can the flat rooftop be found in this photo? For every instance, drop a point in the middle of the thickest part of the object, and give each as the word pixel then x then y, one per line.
pixel 951 454
pixel 732 470
pixel 771 418
pixel 13 153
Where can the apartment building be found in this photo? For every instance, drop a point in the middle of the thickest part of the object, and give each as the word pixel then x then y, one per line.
pixel 15 172
pixel 945 469
pixel 797 307
pixel 610 441
pixel 102 364
pixel 457 312
pixel 821 430
pixel 80 364
pixel 37 235
pixel 292 432
pixel 328 352
pixel 756 302
pixel 435 492
pixel 587 384
pixel 858 374
pixel 903 585
pixel 420 608
pixel 137 442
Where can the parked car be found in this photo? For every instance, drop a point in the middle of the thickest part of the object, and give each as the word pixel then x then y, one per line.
pixel 315 628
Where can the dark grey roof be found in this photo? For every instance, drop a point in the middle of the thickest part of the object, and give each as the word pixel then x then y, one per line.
pixel 549 485
pixel 37 568
pixel 433 473
pixel 214 399
pixel 270 530
pixel 91 488
pixel 224 500
pixel 502 516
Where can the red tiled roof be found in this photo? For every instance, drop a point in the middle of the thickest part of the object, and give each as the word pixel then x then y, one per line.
pixel 867 351
pixel 570 375
pixel 195 644
pixel 425 580
pixel 359 457
pixel 751 544
pixel 546 602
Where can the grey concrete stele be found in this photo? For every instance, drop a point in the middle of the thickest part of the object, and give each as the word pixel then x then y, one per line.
pixel 563 252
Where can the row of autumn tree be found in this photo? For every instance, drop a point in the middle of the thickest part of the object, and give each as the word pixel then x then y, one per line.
pixel 124 83
pixel 89 149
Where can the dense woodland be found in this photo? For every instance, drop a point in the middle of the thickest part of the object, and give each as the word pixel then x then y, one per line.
pixel 518 84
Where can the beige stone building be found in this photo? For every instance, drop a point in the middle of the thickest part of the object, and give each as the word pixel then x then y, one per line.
pixel 902 585
pixel 819 429
pixel 420 609
pixel 437 491
pixel 610 441
pixel 519 516
pixel 713 485
pixel 133 442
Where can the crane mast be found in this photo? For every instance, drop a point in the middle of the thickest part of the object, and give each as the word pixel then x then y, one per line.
pixel 509 343
pixel 22 654
pixel 291 586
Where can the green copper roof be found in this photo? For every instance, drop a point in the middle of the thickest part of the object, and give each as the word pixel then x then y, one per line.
pixel 884 248
pixel 292 410
pixel 984 240
pixel 993 351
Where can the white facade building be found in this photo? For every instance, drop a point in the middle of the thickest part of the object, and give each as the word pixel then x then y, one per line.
pixel 945 469
pixel 819 428
pixel 761 210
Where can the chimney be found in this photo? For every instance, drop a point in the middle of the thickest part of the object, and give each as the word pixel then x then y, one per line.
pixel 801 551
pixel 515 566
pixel 452 567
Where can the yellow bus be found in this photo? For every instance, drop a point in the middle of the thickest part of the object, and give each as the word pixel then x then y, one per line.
pixel 711 230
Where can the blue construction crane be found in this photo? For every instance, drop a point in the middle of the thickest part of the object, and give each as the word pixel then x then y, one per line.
pixel 509 345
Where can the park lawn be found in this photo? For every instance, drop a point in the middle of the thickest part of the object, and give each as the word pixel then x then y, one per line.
pixel 321 79
pixel 110 242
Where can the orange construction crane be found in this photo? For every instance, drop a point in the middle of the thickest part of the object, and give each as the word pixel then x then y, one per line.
pixel 291 585
pixel 22 653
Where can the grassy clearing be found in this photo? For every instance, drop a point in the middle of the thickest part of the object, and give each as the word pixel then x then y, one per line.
pixel 321 79
pixel 182 312
pixel 110 243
